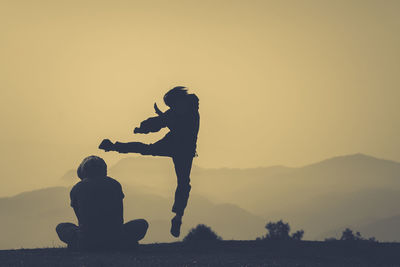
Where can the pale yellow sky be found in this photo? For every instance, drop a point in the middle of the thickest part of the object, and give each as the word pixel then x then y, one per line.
pixel 279 82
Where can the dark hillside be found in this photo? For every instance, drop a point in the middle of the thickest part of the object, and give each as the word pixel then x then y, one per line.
pixel 225 253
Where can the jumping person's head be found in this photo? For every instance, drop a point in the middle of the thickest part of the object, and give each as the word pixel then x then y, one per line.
pixel 174 97
pixel 178 97
pixel 92 167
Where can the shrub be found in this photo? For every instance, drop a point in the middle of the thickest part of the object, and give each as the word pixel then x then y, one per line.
pixel 349 235
pixel 298 235
pixel 201 233
pixel 280 231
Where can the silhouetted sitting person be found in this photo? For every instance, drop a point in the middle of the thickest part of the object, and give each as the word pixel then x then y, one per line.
pixel 98 204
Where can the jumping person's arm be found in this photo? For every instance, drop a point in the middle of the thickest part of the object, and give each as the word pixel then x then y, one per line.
pixel 153 124
pixel 157 110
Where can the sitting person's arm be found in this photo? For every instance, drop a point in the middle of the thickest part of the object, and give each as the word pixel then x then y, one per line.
pixel 74 203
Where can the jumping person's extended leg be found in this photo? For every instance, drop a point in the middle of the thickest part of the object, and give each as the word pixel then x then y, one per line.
pixel 131 147
pixel 68 233
pixel 183 166
pixel 157 149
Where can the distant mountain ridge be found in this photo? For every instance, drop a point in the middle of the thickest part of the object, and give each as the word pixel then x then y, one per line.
pixel 29 219
pixel 354 190
pixel 344 190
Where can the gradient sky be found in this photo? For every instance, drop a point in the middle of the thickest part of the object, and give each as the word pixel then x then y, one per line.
pixel 279 82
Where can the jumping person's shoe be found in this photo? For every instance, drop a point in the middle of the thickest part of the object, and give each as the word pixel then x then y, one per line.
pixel 106 145
pixel 176 223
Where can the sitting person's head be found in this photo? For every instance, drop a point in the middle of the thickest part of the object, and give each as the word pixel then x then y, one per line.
pixel 92 167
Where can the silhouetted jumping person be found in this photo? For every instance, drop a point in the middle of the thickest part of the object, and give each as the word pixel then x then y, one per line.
pixel 182 118
pixel 98 204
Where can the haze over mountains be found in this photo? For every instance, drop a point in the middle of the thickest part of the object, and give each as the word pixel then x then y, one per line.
pixel 356 191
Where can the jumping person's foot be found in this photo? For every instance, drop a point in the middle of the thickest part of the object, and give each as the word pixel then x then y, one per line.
pixel 176 223
pixel 106 145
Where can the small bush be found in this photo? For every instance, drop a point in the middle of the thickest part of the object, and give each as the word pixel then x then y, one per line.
pixel 298 235
pixel 349 235
pixel 280 231
pixel 201 233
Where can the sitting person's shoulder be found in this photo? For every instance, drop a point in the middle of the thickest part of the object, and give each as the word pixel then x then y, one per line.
pixel 77 186
pixel 116 186
pixel 76 193
pixel 112 181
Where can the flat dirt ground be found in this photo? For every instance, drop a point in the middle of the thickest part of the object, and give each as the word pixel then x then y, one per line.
pixel 223 253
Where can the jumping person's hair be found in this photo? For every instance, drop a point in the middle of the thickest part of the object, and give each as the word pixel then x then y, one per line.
pixel 175 95
pixel 194 102
pixel 92 167
pixel 178 95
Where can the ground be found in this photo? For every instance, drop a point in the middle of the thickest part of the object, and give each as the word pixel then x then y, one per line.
pixel 224 253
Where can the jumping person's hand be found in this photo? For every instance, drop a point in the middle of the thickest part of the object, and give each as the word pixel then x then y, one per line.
pixel 157 110
pixel 137 130
pixel 106 145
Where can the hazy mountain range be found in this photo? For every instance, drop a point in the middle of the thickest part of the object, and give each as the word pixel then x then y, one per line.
pixel 356 191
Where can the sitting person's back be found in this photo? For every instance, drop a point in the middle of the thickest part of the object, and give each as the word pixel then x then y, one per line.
pixel 98 204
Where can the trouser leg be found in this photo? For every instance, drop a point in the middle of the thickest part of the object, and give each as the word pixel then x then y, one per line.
pixel 156 149
pixel 135 230
pixel 68 233
pixel 183 166
pixel 131 147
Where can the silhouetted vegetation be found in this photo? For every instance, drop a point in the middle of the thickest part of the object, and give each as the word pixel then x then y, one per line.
pixel 201 233
pixel 298 235
pixel 349 235
pixel 221 253
pixel 280 231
